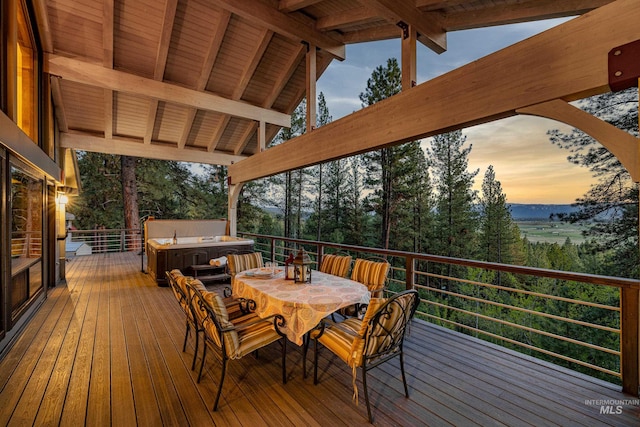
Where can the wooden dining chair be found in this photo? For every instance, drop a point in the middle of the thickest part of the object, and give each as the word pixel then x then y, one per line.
pixel 338 265
pixel 242 262
pixel 366 343
pixel 233 338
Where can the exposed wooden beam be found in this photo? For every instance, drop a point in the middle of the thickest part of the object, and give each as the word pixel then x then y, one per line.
pixel 384 32
pixel 430 30
pixel 205 73
pixel 311 78
pixel 151 120
pixel 250 68
pixel 44 28
pixel 287 25
pixel 247 73
pixel 356 16
pixel 244 138
pixel 98 76
pixel 56 94
pixel 262 136
pixel 519 12
pixel 107 61
pixel 490 88
pixel 162 52
pixel 107 33
pixel 216 135
pixel 437 4
pixel 108 113
pixel 293 5
pixel 287 71
pixel 186 129
pixel 621 144
pixel 213 49
pixel 136 148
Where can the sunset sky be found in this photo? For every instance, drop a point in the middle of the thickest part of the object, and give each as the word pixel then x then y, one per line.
pixel 529 167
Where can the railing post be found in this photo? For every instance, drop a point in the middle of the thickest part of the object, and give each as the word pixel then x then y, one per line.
pixel 320 248
pixel 409 275
pixel 273 249
pixel 630 362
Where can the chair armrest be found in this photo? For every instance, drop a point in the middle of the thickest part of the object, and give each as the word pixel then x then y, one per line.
pixel 278 321
pixel 326 323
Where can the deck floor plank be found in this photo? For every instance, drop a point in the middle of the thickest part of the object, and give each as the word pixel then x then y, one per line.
pixel 121 384
pixel 54 397
pixel 75 408
pixel 106 348
pixel 20 362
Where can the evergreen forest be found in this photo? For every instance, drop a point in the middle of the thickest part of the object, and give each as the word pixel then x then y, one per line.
pixel 416 197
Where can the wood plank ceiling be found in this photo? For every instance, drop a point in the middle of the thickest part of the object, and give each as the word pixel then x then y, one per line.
pixel 191 80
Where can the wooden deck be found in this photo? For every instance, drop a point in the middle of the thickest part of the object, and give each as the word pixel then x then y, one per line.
pixel 106 349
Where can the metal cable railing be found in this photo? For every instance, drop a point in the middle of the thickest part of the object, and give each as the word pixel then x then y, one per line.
pixel 101 240
pixel 559 316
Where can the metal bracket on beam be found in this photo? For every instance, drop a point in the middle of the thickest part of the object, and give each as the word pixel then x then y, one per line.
pixel 405 29
pixel 624 66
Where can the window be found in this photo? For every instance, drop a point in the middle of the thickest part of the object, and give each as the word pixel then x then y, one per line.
pixel 26 77
pixel 26 236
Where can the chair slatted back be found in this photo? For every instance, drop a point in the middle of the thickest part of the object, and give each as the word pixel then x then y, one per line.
pixel 212 313
pixel 372 274
pixel 238 263
pixel 336 264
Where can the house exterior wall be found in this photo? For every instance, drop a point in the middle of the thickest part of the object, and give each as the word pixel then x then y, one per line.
pixel 30 175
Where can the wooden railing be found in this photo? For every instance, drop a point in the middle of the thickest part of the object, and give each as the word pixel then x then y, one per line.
pixel 592 319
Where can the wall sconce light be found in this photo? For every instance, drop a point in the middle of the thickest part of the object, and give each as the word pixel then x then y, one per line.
pixel 63 199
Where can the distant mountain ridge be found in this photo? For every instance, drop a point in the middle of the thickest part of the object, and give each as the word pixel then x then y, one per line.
pixel 523 212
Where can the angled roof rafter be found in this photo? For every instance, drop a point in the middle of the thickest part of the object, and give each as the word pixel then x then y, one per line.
pixel 286 25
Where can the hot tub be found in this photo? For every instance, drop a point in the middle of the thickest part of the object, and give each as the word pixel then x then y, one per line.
pixel 197 243
pixel 194 242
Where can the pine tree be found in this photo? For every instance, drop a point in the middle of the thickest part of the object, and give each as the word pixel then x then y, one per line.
pixel 396 175
pixel 100 202
pixel 383 83
pixel 288 190
pixel 611 205
pixel 456 217
pixel 130 199
pixel 315 227
pixel 356 227
pixel 499 235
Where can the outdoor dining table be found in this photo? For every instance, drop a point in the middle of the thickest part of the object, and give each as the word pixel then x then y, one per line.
pixel 302 305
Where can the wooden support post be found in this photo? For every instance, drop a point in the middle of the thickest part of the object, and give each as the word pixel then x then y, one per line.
pixel 630 362
pixel 311 87
pixel 232 208
pixel 262 136
pixel 409 38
